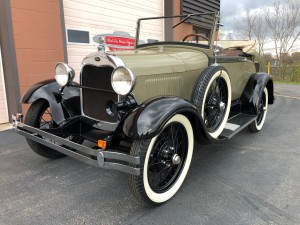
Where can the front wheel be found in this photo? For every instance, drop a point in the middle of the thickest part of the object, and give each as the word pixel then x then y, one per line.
pixel 165 160
pixel 39 115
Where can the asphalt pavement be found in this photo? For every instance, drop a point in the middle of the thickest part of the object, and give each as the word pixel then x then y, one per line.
pixel 251 179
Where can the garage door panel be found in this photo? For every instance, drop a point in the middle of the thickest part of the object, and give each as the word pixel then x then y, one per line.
pixel 120 7
pixel 80 50
pixel 97 16
pixel 106 17
pixel 3 102
pixel 107 23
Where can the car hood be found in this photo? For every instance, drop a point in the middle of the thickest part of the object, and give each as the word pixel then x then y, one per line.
pixel 155 60
pixel 162 60
pixel 160 70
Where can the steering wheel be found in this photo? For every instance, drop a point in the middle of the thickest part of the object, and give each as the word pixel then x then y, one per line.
pixel 195 35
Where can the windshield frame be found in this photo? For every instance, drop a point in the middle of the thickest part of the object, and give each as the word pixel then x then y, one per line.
pixel 186 17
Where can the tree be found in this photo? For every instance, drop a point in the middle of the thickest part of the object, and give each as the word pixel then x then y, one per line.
pixel 286 58
pixel 279 24
pixel 296 57
pixel 268 57
pixel 283 19
pixel 253 26
pixel 244 26
pixel 229 36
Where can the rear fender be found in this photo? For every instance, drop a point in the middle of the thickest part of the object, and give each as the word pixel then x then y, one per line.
pixel 148 119
pixel 262 80
pixel 59 104
pixel 253 91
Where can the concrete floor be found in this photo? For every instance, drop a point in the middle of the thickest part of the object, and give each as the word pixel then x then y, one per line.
pixel 5 126
pixel 251 179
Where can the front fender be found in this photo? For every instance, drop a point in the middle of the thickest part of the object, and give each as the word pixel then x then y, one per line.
pixel 148 119
pixel 50 91
pixel 27 96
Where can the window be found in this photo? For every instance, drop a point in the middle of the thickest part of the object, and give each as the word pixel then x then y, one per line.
pixel 199 30
pixel 152 40
pixel 78 36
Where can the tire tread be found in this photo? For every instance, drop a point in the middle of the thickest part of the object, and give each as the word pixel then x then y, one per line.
pixel 201 85
pixel 139 148
pixel 31 119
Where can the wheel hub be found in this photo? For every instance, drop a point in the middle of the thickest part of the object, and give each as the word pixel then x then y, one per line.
pixel 164 152
pixel 176 159
pixel 214 99
pixel 222 106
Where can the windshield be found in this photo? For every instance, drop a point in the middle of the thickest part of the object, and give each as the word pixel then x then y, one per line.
pixel 192 28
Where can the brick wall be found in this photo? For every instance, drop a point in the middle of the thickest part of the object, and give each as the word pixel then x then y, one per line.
pixel 38 40
pixel 183 29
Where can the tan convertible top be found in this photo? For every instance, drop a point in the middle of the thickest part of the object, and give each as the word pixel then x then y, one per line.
pixel 248 47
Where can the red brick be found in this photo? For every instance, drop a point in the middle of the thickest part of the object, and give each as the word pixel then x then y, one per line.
pixel 38 40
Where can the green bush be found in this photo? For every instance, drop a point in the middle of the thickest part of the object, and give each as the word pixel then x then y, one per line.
pixel 286 73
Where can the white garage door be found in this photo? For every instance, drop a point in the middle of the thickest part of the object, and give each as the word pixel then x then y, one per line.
pixel 3 103
pixel 92 17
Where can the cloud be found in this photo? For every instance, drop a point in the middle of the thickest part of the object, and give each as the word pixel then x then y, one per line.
pixel 231 10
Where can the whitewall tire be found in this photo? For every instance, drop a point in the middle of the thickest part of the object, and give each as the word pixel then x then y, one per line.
pixel 165 161
pixel 212 96
pixel 257 125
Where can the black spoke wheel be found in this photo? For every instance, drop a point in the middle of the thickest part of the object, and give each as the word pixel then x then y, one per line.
pixel 215 104
pixel 39 115
pixel 212 96
pixel 165 160
pixel 257 125
pixel 163 169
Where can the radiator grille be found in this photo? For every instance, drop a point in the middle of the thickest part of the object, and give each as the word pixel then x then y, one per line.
pixel 167 86
pixel 97 91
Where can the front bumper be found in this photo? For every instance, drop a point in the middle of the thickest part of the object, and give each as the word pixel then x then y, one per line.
pixel 107 159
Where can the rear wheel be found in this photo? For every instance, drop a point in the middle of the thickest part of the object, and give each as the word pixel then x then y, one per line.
pixel 257 125
pixel 165 160
pixel 39 115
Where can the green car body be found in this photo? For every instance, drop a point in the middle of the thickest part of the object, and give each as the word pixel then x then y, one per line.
pixel 142 109
pixel 162 70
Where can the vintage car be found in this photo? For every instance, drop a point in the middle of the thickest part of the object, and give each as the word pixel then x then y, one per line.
pixel 140 111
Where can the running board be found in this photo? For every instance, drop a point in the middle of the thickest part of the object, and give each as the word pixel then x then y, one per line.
pixel 235 125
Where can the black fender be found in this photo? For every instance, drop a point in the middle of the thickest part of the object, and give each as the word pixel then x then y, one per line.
pixel 59 103
pixel 262 80
pixel 149 118
pixel 254 89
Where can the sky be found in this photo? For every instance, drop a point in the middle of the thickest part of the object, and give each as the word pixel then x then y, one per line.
pixel 233 9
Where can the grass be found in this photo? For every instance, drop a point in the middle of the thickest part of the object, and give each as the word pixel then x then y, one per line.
pixel 287 82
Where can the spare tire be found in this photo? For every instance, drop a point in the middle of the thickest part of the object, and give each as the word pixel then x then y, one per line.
pixel 212 96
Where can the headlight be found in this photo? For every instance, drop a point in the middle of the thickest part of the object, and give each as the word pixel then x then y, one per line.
pixel 122 80
pixel 63 74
